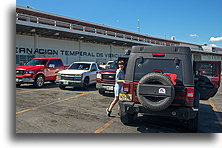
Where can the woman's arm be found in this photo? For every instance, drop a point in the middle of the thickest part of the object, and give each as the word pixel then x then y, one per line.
pixel 120 81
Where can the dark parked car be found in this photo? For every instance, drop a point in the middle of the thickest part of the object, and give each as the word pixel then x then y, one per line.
pixel 161 81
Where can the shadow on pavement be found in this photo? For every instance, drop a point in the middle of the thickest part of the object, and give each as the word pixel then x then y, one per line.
pixel 208 123
pixel 46 85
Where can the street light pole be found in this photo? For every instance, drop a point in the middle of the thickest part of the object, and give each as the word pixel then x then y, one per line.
pixel 138 25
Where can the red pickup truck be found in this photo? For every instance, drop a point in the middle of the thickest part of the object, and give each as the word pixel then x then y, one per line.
pixel 105 80
pixel 39 70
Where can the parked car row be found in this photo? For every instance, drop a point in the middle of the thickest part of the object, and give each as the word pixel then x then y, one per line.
pixel 39 70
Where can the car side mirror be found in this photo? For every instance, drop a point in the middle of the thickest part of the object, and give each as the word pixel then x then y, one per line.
pixel 51 65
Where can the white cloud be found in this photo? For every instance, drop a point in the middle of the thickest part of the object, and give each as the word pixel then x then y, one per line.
pixel 194 35
pixel 215 39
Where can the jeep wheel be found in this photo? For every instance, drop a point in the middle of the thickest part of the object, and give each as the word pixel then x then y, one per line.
pixel 126 118
pixel 62 86
pixel 39 81
pixel 192 124
pixel 155 91
pixel 86 83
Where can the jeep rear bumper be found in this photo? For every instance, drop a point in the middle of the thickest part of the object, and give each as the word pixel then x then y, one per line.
pixel 184 113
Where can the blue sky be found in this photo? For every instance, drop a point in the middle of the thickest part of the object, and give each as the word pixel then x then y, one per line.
pixel 193 21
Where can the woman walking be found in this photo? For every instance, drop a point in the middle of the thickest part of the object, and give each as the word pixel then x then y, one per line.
pixel 120 76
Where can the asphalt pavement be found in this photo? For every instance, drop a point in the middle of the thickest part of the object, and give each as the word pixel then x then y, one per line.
pixel 52 110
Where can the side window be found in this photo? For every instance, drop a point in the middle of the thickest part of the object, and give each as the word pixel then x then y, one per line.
pixel 58 63
pixel 52 62
pixel 94 66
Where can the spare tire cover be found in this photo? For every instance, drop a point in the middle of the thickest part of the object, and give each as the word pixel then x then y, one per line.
pixel 153 103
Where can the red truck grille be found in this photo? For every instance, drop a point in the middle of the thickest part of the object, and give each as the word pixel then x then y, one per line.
pixel 20 72
pixel 108 77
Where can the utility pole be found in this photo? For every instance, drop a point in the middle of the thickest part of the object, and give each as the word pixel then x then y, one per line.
pixel 138 25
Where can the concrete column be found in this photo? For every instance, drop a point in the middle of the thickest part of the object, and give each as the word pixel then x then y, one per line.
pixel 110 51
pixel 35 42
pixel 79 48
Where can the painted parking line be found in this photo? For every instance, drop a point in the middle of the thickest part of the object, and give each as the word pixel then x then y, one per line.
pixel 215 110
pixel 27 91
pixel 107 124
pixel 59 101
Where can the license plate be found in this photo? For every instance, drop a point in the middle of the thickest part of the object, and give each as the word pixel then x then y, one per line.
pixel 125 97
pixel 65 82
pixel 109 87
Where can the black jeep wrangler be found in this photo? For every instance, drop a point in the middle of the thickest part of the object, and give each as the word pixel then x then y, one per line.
pixel 163 81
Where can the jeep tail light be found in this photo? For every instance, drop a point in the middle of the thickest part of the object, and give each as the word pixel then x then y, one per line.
pixel 158 55
pixel 126 87
pixel 158 70
pixel 190 92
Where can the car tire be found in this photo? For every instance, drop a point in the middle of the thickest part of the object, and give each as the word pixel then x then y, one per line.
pixel 62 86
pixel 101 92
pixel 18 85
pixel 39 81
pixel 86 83
pixel 153 103
pixel 192 124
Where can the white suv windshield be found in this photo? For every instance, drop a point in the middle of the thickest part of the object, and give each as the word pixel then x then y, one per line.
pixel 80 66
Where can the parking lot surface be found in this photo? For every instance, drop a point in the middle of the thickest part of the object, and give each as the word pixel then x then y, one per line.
pixel 52 110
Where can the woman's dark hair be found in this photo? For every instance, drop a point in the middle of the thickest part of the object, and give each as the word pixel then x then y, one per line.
pixel 120 63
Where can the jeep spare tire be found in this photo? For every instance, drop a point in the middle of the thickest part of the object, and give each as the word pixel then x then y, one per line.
pixel 155 91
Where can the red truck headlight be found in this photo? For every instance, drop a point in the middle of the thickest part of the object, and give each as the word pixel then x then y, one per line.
pixel 99 76
pixel 29 72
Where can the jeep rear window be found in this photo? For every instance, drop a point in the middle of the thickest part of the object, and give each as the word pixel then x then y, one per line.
pixel 145 66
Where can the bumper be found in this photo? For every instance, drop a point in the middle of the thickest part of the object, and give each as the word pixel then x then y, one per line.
pixel 24 80
pixel 184 113
pixel 105 87
pixel 69 83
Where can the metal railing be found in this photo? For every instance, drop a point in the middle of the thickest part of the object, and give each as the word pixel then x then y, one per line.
pixel 71 26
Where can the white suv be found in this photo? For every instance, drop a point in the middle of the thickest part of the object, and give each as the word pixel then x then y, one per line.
pixel 78 74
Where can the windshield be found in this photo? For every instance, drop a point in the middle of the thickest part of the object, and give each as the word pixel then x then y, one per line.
pixel 113 65
pixel 80 66
pixel 37 62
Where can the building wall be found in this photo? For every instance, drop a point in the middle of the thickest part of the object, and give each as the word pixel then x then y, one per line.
pixel 28 47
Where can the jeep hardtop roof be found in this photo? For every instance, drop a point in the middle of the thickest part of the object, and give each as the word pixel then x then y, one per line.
pixel 161 57
pixel 161 49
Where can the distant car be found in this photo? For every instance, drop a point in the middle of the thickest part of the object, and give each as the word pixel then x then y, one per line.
pixel 108 64
pixel 78 74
